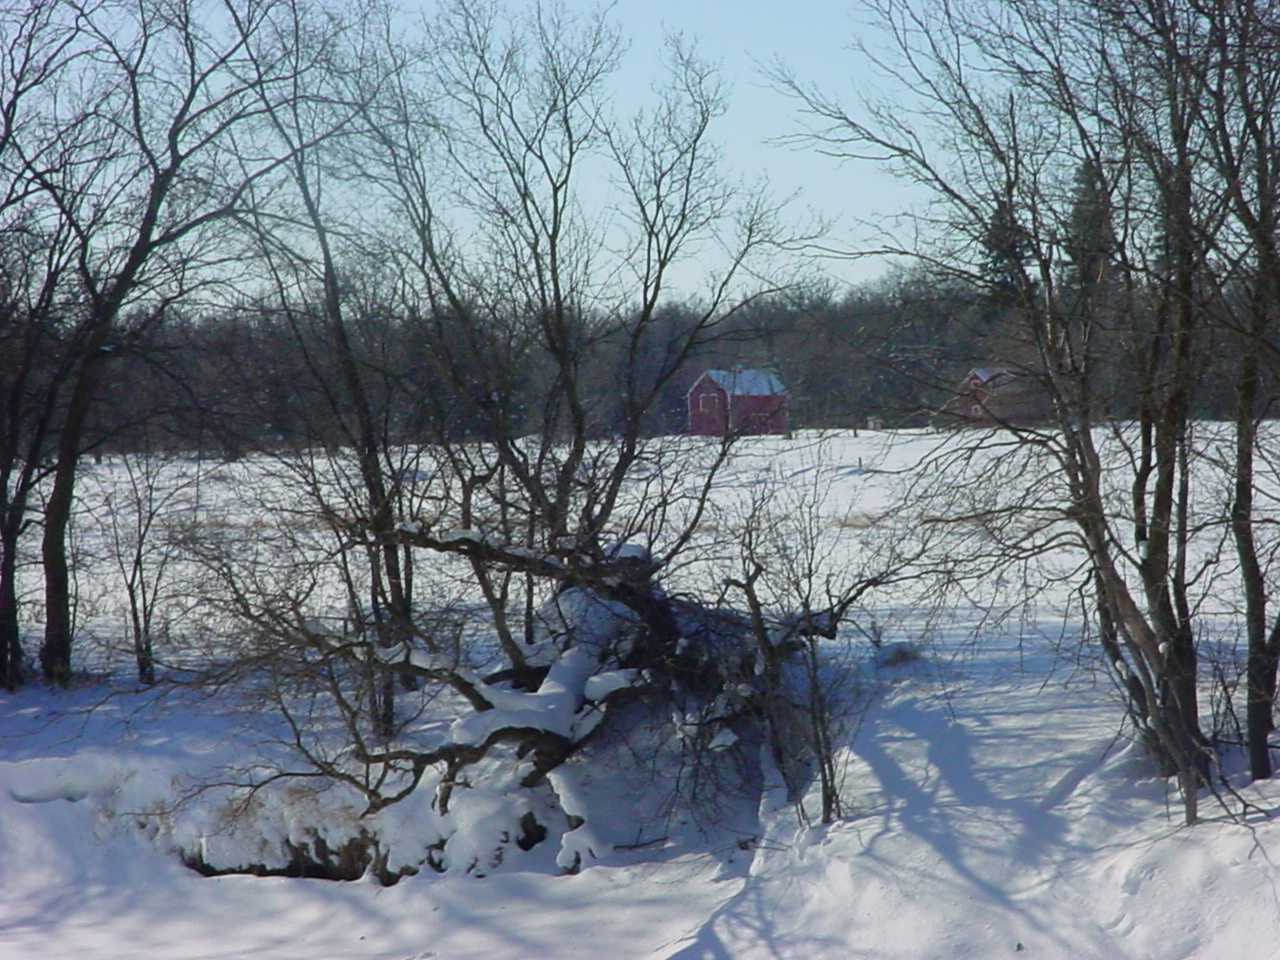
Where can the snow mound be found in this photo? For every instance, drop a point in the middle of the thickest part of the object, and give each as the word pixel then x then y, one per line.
pixel 62 778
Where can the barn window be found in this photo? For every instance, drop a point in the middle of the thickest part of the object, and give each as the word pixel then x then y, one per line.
pixel 709 403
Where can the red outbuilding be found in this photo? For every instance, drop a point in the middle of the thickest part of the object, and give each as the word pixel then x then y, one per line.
pixel 737 401
pixel 995 397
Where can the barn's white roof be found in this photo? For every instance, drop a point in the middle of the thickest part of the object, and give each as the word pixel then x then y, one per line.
pixel 748 383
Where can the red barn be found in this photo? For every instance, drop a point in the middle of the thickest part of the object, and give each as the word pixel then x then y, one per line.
pixel 737 401
pixel 994 397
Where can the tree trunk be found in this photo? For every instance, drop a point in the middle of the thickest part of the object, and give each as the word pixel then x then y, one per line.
pixel 1261 667
pixel 11 666
pixel 55 651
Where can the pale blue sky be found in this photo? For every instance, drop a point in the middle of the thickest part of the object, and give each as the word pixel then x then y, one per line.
pixel 814 38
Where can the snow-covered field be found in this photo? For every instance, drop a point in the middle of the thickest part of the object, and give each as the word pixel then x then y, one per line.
pixel 992 809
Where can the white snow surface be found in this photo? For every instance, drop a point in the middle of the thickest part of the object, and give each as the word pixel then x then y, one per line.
pixel 987 810
pixel 992 811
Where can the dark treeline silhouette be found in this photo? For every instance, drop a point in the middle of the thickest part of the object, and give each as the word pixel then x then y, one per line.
pixel 262 378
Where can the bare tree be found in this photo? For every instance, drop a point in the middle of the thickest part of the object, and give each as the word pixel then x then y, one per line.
pixel 39 46
pixel 1241 76
pixel 465 165
pixel 131 135
pixel 142 502
pixel 789 571
pixel 1066 146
